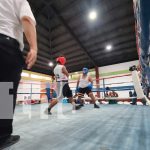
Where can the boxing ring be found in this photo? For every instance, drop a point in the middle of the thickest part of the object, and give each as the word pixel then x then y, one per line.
pixel 33 92
pixel 122 84
pixel 112 127
pixel 36 92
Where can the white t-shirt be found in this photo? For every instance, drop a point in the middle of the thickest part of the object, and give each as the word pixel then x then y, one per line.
pixel 11 13
pixel 58 73
pixel 84 82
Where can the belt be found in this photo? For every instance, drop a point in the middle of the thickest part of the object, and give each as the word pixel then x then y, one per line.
pixel 10 39
pixel 62 81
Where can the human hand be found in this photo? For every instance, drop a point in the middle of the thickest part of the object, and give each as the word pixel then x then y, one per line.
pixel 31 58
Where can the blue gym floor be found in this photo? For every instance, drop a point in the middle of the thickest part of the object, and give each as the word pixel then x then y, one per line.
pixel 112 127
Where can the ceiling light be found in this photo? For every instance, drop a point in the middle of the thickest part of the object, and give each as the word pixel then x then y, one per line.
pixel 93 15
pixel 109 47
pixel 51 64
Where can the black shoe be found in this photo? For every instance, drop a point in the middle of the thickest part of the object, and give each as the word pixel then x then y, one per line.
pixel 133 103
pixel 11 140
pixel 77 107
pixel 49 111
pixel 144 103
pixel 96 106
pixel 82 105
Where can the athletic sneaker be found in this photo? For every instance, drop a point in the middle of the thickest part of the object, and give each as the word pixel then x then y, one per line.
pixel 133 103
pixel 96 106
pixel 81 105
pixel 47 111
pixel 11 140
pixel 77 107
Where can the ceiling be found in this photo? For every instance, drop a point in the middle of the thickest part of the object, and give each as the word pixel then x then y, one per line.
pixel 64 29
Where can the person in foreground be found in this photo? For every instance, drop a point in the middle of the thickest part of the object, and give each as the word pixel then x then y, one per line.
pixel 16 17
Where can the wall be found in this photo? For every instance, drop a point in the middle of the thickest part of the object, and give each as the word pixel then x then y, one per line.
pixel 28 90
pixel 116 71
pixel 32 85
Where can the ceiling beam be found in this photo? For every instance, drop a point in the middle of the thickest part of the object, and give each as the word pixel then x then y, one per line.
pixel 117 40
pixel 41 63
pixel 117 48
pixel 39 10
pixel 75 55
pixel 122 59
pixel 121 22
pixel 42 31
pixel 41 68
pixel 84 62
pixel 42 41
pixel 77 59
pixel 75 68
pixel 72 33
pixel 109 56
pixel 41 52
pixel 115 55
pixel 108 35
pixel 106 21
pixel 39 57
pixel 67 48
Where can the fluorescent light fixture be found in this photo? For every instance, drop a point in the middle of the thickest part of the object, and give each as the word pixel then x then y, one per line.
pixel 109 47
pixel 47 78
pixel 93 15
pixel 51 64
pixel 36 76
pixel 23 74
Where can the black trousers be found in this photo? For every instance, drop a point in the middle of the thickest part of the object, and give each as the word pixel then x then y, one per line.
pixel 11 64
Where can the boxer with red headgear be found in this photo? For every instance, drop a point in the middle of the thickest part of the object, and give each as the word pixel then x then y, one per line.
pixel 63 89
pixel 61 60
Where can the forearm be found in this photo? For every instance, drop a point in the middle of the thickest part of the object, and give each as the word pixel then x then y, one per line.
pixel 66 74
pixel 91 81
pixel 30 32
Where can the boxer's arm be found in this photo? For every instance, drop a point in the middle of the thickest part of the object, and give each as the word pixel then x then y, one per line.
pixel 64 70
pixel 91 80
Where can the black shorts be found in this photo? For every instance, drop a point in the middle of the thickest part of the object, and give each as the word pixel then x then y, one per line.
pixel 67 91
pixel 84 90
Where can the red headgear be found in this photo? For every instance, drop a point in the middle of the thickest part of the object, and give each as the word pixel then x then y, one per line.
pixel 61 60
